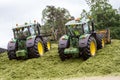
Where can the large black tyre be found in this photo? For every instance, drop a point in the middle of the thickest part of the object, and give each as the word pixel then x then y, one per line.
pixel 61 54
pixel 90 49
pixel 11 54
pixel 37 50
pixel 100 41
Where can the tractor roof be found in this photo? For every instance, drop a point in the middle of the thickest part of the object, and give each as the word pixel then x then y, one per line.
pixel 76 22
pixel 23 26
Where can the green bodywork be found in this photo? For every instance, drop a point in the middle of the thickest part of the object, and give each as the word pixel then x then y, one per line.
pixel 22 49
pixel 73 49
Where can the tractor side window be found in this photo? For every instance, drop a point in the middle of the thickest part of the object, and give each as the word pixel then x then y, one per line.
pixel 86 28
pixel 32 30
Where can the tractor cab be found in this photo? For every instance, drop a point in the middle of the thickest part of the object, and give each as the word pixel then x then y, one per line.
pixel 24 31
pixel 79 27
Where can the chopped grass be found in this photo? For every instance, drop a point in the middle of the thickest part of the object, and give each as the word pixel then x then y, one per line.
pixel 106 62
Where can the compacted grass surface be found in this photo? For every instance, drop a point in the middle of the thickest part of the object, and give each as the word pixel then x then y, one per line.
pixel 49 66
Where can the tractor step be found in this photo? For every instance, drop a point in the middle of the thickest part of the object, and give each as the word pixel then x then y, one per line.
pixel 71 51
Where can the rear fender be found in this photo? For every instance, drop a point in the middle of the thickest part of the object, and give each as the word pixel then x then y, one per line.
pixel 83 40
pixel 30 41
pixel 63 42
pixel 45 40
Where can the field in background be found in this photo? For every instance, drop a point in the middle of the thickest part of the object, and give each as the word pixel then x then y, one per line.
pixel 106 62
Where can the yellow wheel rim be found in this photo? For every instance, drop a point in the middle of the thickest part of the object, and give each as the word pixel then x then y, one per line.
pixel 103 43
pixel 48 45
pixel 92 48
pixel 40 48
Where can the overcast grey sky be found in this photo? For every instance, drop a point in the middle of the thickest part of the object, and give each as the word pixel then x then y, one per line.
pixel 21 11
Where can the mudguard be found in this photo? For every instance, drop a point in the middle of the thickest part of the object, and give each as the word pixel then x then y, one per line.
pixel 83 40
pixel 63 42
pixel 30 42
pixel 11 46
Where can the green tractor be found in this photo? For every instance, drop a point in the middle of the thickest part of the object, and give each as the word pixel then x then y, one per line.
pixel 80 39
pixel 28 42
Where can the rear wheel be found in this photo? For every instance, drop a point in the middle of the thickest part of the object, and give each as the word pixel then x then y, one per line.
pixel 90 49
pixel 100 41
pixel 37 50
pixel 48 45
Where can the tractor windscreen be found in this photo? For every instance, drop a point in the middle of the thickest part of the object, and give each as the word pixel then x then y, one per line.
pixel 74 30
pixel 24 32
pixel 21 33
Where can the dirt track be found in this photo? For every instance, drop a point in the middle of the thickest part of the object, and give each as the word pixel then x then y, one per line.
pixel 97 78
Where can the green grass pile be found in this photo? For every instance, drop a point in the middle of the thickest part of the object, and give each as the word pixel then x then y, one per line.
pixel 106 62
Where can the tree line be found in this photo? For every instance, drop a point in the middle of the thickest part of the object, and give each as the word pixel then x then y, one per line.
pixel 101 11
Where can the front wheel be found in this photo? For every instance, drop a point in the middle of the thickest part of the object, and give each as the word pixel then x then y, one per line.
pixel 61 54
pixel 48 45
pixel 11 55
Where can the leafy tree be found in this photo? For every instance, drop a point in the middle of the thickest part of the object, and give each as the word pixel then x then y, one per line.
pixel 103 13
pixel 105 16
pixel 55 18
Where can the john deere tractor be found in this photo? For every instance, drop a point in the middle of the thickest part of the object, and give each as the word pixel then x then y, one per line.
pixel 28 42
pixel 80 39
